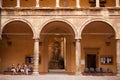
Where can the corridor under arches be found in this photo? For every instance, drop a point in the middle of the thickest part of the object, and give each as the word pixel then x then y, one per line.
pixel 57 48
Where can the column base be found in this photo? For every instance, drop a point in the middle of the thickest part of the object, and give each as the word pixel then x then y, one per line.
pixel 118 75
pixel 17 6
pixel 36 73
pixel 117 6
pixel 57 6
pixel 78 73
pixel 37 6
pixel 77 6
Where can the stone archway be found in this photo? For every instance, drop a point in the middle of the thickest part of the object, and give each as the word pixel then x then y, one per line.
pixel 16 44
pixel 57 37
pixel 98 41
pixel 19 19
pixel 102 20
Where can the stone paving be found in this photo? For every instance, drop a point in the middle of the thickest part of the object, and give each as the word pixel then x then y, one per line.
pixel 56 77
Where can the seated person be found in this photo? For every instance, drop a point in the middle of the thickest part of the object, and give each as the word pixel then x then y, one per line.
pixel 13 69
pixel 18 68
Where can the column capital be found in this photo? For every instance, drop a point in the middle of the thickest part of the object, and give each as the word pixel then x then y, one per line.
pixel 77 39
pixel 36 38
pixel 117 39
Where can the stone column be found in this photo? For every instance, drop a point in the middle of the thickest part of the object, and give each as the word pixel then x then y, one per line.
pixel 36 57
pixel 0 4
pixel 78 3
pixel 0 36
pixel 118 57
pixel 37 3
pixel 97 3
pixel 18 3
pixel 57 3
pixel 78 56
pixel 117 3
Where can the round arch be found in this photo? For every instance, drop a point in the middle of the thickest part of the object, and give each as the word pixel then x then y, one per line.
pixel 18 19
pixel 62 20
pixel 98 19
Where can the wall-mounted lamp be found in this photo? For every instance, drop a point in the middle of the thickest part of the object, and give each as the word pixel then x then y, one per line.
pixel 0 60
pixel 9 42
pixel 40 43
pixel 107 42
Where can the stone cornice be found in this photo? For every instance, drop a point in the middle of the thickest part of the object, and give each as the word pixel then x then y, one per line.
pixel 62 11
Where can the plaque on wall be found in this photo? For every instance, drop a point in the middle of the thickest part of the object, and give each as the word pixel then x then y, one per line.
pixel 106 59
pixel 30 60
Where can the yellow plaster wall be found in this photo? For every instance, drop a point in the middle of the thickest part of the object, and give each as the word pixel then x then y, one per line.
pixel 28 3
pixel 9 3
pixel 110 3
pixel 99 42
pixel 47 3
pixel 84 3
pixel 21 47
pixel 66 3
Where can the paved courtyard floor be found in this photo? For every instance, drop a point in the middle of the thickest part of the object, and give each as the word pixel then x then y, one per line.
pixel 56 77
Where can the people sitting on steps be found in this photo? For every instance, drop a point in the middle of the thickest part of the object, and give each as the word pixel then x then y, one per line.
pixel 19 69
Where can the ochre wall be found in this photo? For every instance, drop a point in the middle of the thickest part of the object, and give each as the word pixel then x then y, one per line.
pixel 9 3
pixel 28 3
pixel 84 3
pixel 52 3
pixel 66 3
pixel 47 3
pixel 110 3
pixel 99 42
pixel 21 47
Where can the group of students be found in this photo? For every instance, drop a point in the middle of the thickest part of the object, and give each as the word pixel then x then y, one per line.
pixel 24 69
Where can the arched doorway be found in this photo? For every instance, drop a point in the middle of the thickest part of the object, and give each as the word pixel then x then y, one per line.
pixel 57 48
pixel 16 44
pixel 99 46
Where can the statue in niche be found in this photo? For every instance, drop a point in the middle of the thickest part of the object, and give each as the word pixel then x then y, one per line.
pixel 56 51
pixel 56 60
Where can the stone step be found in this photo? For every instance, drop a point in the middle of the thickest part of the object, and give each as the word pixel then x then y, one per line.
pixel 56 77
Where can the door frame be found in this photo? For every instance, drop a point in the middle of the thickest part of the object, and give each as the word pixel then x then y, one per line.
pixel 94 51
